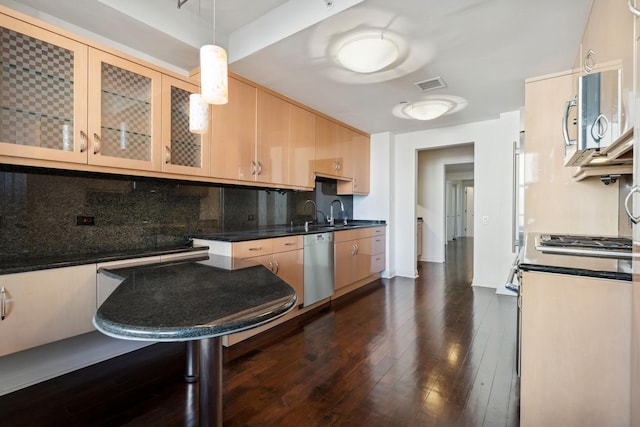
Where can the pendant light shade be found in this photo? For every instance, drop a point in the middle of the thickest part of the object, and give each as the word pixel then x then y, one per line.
pixel 213 74
pixel 198 114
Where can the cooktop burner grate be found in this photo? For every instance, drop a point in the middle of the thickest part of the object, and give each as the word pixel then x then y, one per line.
pixel 592 242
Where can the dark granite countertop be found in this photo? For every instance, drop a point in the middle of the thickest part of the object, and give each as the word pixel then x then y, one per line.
pixel 281 231
pixel 25 264
pixel 588 266
pixel 192 299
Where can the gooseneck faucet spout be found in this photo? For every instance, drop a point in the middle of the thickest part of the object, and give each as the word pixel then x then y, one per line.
pixel 315 209
pixel 331 217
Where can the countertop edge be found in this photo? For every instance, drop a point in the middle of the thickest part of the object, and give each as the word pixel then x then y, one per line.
pixel 96 259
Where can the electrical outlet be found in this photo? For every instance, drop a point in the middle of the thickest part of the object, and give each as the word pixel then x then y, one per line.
pixel 85 220
pixel 485 220
pixel 251 218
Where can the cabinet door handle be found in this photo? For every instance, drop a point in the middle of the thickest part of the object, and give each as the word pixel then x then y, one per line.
pixel 633 10
pixel 253 167
pixel 277 267
pixel 627 209
pixel 97 145
pixel 3 303
pixel 259 168
pixel 271 266
pixel 167 154
pixel 83 141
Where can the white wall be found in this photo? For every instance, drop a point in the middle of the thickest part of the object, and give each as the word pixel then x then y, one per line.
pixel 431 196
pixel 493 141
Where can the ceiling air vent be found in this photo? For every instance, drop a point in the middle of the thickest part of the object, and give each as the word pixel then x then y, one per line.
pixel 431 84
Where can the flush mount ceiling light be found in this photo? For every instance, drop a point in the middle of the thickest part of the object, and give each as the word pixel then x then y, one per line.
pixel 429 109
pixel 367 53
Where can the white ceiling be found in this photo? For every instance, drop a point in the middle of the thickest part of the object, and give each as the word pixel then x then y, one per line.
pixel 482 49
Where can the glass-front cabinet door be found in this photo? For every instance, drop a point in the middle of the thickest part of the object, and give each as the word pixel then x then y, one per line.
pixel 184 152
pixel 125 122
pixel 43 107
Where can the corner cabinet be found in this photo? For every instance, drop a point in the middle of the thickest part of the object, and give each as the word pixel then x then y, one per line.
pixel 124 120
pixel 43 101
pixel 183 152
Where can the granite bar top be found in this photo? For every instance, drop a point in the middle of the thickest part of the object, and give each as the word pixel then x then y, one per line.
pixel 281 231
pixel 588 266
pixel 193 299
pixel 26 264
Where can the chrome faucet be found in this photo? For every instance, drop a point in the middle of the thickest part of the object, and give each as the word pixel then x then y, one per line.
pixel 315 209
pixel 331 218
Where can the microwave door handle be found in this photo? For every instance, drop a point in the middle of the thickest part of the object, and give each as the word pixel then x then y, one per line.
pixel 600 127
pixel 633 218
pixel 565 122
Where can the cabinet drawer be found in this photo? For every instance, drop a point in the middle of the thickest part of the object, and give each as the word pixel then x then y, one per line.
pixel 377 263
pixel 252 248
pixel 377 231
pixel 377 245
pixel 283 244
pixel 352 234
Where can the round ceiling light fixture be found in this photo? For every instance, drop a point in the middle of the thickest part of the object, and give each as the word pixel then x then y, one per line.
pixel 430 108
pixel 367 53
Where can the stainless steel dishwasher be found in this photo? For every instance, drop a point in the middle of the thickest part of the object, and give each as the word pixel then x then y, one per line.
pixel 318 267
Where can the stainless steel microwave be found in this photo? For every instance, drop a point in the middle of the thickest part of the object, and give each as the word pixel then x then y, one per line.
pixel 600 116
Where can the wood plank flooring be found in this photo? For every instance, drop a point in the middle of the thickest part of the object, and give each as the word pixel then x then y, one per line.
pixel 427 352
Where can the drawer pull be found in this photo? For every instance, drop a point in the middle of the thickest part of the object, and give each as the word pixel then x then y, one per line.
pixel 259 248
pixel 289 244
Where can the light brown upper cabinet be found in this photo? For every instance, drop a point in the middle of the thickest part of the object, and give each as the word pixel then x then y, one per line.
pixel 302 142
pixel 183 152
pixel 358 145
pixel 603 48
pixel 330 151
pixel 43 100
pixel 271 161
pixel 233 134
pixel 124 120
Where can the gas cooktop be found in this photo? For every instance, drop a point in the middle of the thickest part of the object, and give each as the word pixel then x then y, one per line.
pixel 598 246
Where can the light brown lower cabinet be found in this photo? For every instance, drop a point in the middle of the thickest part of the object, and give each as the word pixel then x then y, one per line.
pixel 46 305
pixel 576 351
pixel 358 254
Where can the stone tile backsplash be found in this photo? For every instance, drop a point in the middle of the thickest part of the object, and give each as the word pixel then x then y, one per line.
pixel 38 212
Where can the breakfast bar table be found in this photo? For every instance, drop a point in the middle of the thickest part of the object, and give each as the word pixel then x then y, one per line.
pixel 196 300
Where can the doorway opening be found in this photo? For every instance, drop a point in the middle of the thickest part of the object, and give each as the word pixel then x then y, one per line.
pixel 445 198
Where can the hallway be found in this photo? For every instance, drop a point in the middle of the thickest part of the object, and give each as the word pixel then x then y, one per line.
pixel 424 352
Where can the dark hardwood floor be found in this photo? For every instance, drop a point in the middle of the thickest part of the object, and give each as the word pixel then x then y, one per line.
pixel 425 352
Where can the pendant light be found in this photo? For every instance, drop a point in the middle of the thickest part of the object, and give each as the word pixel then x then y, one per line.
pixel 214 84
pixel 198 114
